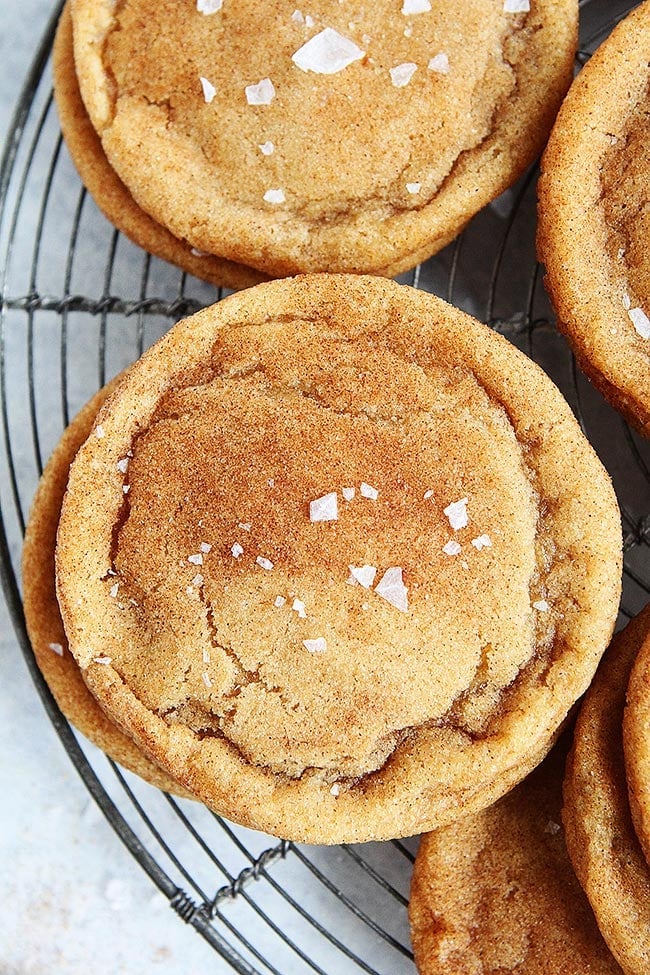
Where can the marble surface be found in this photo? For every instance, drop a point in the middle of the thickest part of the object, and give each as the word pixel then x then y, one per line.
pixel 73 898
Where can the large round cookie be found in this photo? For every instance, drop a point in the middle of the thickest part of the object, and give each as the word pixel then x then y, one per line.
pixel 346 137
pixel 108 191
pixel 600 836
pixel 636 744
pixel 43 619
pixel 495 892
pixel 198 550
pixel 594 210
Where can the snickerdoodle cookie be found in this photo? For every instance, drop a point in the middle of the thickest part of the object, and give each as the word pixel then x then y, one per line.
pixel 339 557
pixel 600 837
pixel 108 191
pixel 495 892
pixel 346 137
pixel 594 209
pixel 636 743
pixel 43 618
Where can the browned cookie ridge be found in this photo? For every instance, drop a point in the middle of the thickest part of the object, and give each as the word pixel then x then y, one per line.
pixel 334 538
pixel 600 836
pixel 43 619
pixel 355 137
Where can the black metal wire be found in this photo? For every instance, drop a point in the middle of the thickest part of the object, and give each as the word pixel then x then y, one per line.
pixel 240 875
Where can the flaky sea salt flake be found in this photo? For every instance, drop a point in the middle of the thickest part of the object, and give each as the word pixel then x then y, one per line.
pixel 324 508
pixel 209 6
pixel 245 526
pixel 327 53
pixel 126 488
pixel 483 541
pixel 56 648
pixel 195 559
pixel 114 589
pixel 266 148
pixel 298 17
pixel 262 93
pixel 206 679
pixel 209 91
pixel 279 601
pixel 428 494
pixel 457 514
pixel 309 21
pixel 103 660
pixel 541 606
pixel 363 574
pixel 299 607
pixel 391 588
pixel 415 7
pixel 367 491
pixel 335 790
pixel 439 64
pixel 275 196
pixel 401 74
pixel 206 655
pixel 640 321
pixel 123 465
pixel 413 187
pixel 319 645
pixel 99 431
pixel 348 493
pixel 451 548
pixel 264 563
pixel 516 6
pixel 236 550
pixel 205 547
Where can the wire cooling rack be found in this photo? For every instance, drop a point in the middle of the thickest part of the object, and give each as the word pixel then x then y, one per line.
pixel 79 302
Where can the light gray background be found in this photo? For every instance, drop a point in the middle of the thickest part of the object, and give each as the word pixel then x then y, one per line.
pixel 73 900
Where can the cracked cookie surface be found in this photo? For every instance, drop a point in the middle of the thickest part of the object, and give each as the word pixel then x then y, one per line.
pixel 370 166
pixel 594 213
pixel 243 650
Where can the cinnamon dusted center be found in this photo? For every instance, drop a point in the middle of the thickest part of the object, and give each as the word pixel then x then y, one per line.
pixel 322 643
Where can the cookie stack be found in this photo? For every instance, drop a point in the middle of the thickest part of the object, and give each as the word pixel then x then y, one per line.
pixel 328 558
pixel 242 140
pixel 498 891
